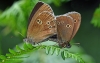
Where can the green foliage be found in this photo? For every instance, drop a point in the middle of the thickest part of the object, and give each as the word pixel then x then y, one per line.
pixel 18 48
pixel 59 2
pixel 56 2
pixel 16 17
pixel 96 18
pixel 12 52
pixel 2 57
pixel 15 56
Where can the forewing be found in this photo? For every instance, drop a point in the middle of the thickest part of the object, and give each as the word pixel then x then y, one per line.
pixel 43 27
pixel 64 28
pixel 77 20
pixel 38 28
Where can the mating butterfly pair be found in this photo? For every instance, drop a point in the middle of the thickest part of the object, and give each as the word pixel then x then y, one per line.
pixel 43 24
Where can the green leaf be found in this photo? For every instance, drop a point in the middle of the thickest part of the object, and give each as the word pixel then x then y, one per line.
pixel 68 55
pixel 57 2
pixel 18 48
pixel 30 46
pixel 62 55
pixel 57 51
pixel 25 46
pixel 47 49
pixel 47 1
pixel 96 18
pixel 2 57
pixel 73 56
pixel 8 54
pixel 52 50
pixel 12 51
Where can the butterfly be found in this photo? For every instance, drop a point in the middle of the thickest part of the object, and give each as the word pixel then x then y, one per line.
pixel 42 23
pixel 67 26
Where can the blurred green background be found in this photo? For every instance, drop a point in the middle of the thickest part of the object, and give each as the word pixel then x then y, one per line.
pixel 14 16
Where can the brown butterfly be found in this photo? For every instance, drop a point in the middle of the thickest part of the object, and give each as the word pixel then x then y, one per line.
pixel 41 23
pixel 67 26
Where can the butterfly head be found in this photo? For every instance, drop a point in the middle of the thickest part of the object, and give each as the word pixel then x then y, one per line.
pixel 65 45
pixel 29 40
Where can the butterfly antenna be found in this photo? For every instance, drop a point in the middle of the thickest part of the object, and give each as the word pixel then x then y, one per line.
pixel 76 44
pixel 20 34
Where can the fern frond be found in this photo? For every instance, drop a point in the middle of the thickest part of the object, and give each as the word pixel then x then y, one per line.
pixel 14 56
pixel 64 53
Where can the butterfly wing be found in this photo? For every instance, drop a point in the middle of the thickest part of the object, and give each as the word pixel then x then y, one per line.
pixel 77 20
pixel 39 7
pixel 42 23
pixel 64 29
